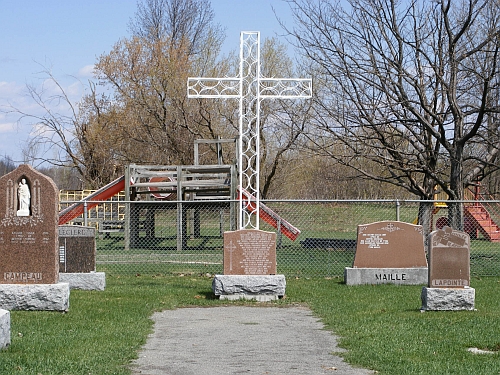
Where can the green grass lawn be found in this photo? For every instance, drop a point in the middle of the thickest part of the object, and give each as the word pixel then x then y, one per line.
pixel 381 326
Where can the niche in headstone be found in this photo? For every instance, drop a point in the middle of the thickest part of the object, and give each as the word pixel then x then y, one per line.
pixel 249 267
pixel 449 272
pixel 388 252
pixel 29 269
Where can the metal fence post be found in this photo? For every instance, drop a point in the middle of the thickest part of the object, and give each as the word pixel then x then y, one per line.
pixel 398 204
pixel 85 213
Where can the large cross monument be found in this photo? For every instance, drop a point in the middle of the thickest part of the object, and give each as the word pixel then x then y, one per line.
pixel 250 88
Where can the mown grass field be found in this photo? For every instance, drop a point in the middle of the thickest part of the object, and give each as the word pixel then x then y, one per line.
pixel 380 326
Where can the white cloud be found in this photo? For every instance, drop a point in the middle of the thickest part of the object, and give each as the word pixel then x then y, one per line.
pixel 10 89
pixel 87 71
pixel 8 127
pixel 75 90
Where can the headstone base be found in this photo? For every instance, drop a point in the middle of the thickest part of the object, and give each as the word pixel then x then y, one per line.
pixel 446 299
pixel 250 297
pixel 257 287
pixel 399 276
pixel 84 281
pixel 54 297
pixel 4 328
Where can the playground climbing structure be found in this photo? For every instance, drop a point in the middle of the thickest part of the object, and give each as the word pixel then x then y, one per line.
pixel 481 216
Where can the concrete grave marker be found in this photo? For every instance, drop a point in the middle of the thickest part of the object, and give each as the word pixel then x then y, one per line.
pixel 250 254
pixel 388 252
pixel 4 328
pixel 29 241
pixel 449 272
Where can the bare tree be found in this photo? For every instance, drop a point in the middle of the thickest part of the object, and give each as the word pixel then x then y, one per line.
pixel 282 121
pixel 147 74
pixel 409 86
pixel 188 24
pixel 53 123
pixel 6 165
pixel 147 117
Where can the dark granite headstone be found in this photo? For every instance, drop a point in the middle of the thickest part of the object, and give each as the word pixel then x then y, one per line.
pixel 249 252
pixel 28 228
pixel 449 259
pixel 77 249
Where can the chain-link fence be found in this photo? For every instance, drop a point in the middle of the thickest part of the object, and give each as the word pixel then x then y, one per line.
pixel 174 237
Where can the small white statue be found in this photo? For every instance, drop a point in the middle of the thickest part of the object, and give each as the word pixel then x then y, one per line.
pixel 24 195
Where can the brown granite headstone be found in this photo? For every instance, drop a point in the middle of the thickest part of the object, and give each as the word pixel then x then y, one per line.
pixel 390 244
pixel 449 259
pixel 77 249
pixel 28 228
pixel 249 252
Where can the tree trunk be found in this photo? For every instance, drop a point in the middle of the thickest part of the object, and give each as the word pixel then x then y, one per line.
pixel 456 209
pixel 425 218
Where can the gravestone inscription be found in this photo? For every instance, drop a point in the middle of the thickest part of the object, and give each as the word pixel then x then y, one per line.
pixel 449 272
pixel 449 259
pixel 249 252
pixel 249 267
pixel 388 252
pixel 390 244
pixel 77 249
pixel 28 228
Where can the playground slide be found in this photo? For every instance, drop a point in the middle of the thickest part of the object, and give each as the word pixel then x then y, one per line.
pixel 104 193
pixel 114 187
pixel 271 217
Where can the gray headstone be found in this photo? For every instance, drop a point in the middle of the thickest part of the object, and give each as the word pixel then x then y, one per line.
pixel 53 297
pixel 4 328
pixel 259 287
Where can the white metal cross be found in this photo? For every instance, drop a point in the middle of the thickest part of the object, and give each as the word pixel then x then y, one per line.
pixel 250 88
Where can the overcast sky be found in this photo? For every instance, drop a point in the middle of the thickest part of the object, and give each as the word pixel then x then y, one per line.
pixel 67 36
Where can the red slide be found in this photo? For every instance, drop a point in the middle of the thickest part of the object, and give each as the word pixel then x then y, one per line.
pixel 114 187
pixel 104 193
pixel 270 217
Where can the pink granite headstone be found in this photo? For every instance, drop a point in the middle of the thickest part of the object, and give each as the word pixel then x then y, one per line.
pixel 449 259
pixel 249 252
pixel 28 228
pixel 390 244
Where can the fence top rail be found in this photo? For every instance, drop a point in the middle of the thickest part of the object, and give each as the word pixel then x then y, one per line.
pixel 394 201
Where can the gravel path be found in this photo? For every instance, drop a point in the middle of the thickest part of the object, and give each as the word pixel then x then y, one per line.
pixel 240 340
